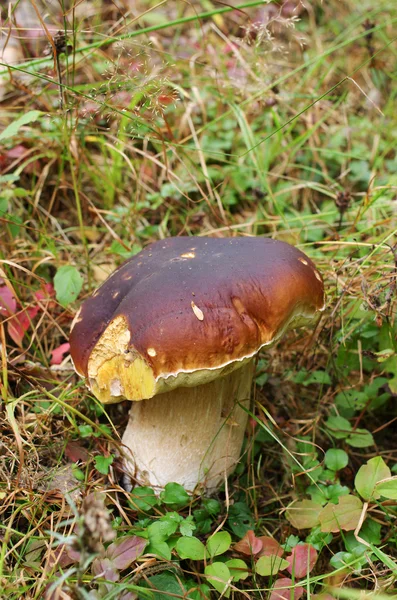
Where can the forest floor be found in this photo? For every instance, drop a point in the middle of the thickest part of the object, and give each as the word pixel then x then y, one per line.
pixel 127 122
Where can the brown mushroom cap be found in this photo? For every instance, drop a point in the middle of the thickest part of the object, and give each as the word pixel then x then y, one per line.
pixel 186 310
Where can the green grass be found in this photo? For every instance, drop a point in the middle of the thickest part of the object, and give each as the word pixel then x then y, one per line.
pixel 181 119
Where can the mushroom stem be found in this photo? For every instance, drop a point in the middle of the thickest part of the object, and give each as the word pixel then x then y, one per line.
pixel 192 436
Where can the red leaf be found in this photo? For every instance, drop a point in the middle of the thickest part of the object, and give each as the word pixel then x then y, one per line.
pixel 270 547
pixel 47 291
pixel 249 545
pixel 8 304
pixel 57 354
pixel 63 556
pixel 105 568
pixel 75 452
pixel 302 560
pixel 284 589
pixel 20 323
pixel 124 551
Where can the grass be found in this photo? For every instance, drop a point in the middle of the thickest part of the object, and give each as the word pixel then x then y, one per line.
pixel 199 119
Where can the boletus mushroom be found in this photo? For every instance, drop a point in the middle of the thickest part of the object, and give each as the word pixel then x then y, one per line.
pixel 176 329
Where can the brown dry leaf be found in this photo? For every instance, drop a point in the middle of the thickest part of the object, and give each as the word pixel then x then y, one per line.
pixel 64 481
pixel 75 452
pixel 304 514
pixel 344 515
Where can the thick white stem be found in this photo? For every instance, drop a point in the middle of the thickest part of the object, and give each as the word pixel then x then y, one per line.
pixel 192 436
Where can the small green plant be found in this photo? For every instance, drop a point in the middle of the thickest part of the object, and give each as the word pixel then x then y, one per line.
pixel 338 510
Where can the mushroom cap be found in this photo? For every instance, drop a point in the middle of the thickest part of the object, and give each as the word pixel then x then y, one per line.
pixel 189 309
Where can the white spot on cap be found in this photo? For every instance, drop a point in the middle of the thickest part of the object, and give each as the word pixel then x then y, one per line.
pixel 115 294
pixel 115 387
pixel 303 261
pixel 318 276
pixel 197 311
pixel 151 352
pixel 188 255
pixel 127 276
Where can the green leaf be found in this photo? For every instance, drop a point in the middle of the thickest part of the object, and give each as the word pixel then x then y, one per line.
pixel 102 463
pixel 270 565
pixel 360 438
pixel 318 377
pixel 318 538
pixel 303 514
pixel 240 518
pixel 190 547
pixel 78 473
pixel 85 431
pixel 68 283
pixel 238 569
pixel 175 494
pixel 14 222
pixel 218 543
pixel 318 493
pixel 203 521
pixel 143 499
pixel 218 576
pixel 15 126
pixel 291 542
pixel 163 586
pixel 369 475
pixel 339 427
pixel 3 205
pixel 344 515
pixel 213 507
pixel 159 548
pixel 162 529
pixel 387 488
pixel 117 248
pixel 336 459
pixel 335 491
pixel 371 532
pixel 187 527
